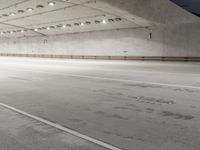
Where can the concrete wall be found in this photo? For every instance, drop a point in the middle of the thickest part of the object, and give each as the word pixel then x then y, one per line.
pixel 182 40
pixel 115 42
pixel 175 33
pixel 172 40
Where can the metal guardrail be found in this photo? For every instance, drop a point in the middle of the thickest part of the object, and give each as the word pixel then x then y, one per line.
pixel 142 58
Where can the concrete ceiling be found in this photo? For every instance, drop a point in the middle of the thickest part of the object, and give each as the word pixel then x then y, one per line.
pixel 153 12
pixel 74 16
pixel 66 16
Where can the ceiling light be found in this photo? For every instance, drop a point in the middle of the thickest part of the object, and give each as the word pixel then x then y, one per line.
pixel 48 28
pixel 43 28
pixel 68 25
pixel 64 26
pixel 30 9
pixel 22 31
pixel 12 14
pixel 11 32
pixel 104 21
pixel 52 27
pixel 20 11
pixel 118 19
pixel 40 6
pixel 2 33
pixel 59 26
pixel 5 15
pixel 51 3
pixel 110 20
pixel 82 24
pixel 87 22
pixel 76 24
pixel 35 29
pixel 97 22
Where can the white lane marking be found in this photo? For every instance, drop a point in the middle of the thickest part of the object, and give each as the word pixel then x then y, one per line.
pixel 118 80
pixel 150 72
pixel 115 79
pixel 72 132
pixel 132 81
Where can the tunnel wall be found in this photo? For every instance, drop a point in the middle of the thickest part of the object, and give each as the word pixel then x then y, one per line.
pixel 171 40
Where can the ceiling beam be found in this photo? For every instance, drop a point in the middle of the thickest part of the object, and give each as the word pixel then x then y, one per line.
pixel 41 13
pixel 66 20
pixel 101 10
pixel 22 28
pixel 15 4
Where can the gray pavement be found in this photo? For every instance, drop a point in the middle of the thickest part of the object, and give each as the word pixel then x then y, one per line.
pixel 18 132
pixel 132 105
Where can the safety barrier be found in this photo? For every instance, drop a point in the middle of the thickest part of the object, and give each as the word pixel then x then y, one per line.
pixel 142 58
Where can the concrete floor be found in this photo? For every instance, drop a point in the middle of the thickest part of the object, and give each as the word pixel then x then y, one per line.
pixel 19 132
pixel 132 105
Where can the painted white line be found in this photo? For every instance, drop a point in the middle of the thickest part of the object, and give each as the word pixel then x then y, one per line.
pixel 72 132
pixel 119 80
pixel 150 72
pixel 115 79
pixel 132 81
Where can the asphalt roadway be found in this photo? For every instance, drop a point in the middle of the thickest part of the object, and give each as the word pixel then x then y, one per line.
pixel 132 105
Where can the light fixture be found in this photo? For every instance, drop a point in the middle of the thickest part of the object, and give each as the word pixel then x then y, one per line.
pixel 20 11
pixel 52 27
pixel 36 29
pixel 2 33
pixel 40 6
pixel 43 28
pixel 51 3
pixel 64 26
pixel 68 25
pixel 118 19
pixel 110 20
pixel 87 22
pixel 12 14
pixel 59 26
pixel 5 15
pixel 30 9
pixel 104 21
pixel 82 24
pixel 76 24
pixel 97 21
pixel 48 28
pixel 11 32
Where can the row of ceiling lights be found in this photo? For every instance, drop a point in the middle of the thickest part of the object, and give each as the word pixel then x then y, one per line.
pixel 104 21
pixel 28 9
